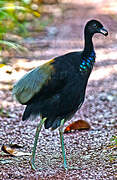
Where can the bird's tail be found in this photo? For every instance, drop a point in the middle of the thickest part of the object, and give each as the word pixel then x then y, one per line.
pixel 31 112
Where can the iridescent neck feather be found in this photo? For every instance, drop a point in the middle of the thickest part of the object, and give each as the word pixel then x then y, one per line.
pixel 87 62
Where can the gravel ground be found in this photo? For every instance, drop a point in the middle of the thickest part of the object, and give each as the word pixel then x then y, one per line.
pixel 85 149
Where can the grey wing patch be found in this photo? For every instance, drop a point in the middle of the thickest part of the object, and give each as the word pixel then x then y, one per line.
pixel 32 82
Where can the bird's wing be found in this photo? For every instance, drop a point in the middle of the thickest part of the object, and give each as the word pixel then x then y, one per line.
pixel 31 83
pixel 49 75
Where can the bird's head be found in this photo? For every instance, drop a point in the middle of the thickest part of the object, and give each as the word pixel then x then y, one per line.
pixel 95 26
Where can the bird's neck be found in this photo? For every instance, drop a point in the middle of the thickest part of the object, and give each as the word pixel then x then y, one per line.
pixel 88 55
pixel 88 46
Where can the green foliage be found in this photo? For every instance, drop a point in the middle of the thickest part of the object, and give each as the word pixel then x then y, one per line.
pixel 13 45
pixel 12 20
pixel 112 149
pixel 114 140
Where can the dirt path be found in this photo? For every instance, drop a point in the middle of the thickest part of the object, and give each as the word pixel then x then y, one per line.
pixel 87 149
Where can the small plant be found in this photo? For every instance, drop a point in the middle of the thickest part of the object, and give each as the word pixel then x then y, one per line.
pixel 11 21
pixel 112 149
pixel 114 141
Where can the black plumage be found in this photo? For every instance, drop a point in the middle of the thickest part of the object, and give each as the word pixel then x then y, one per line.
pixel 56 90
pixel 62 95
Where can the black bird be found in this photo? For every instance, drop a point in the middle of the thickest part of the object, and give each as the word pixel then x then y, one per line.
pixel 56 90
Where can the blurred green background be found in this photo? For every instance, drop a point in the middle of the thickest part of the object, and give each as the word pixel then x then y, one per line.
pixel 18 18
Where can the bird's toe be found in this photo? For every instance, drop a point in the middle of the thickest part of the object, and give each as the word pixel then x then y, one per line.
pixel 33 166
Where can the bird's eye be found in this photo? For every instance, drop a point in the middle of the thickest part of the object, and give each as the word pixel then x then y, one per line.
pixel 95 25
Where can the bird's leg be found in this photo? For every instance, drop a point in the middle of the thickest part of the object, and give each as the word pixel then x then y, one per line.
pixel 32 159
pixel 62 143
pixel 63 150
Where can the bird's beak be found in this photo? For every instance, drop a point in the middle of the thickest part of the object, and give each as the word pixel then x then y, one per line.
pixel 103 31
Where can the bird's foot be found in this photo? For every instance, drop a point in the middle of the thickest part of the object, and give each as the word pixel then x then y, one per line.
pixel 66 168
pixel 73 168
pixel 32 164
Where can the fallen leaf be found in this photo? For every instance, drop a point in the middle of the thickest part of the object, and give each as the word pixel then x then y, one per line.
pixel 9 149
pixel 77 125
pixel 16 146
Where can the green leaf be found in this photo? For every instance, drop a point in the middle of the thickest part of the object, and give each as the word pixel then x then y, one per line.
pixel 13 45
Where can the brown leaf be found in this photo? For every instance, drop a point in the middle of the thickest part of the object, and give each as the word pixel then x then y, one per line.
pixel 77 125
pixel 9 149
pixel 16 146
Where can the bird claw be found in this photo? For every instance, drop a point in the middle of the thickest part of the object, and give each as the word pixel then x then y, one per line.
pixel 66 168
pixel 73 168
pixel 32 164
